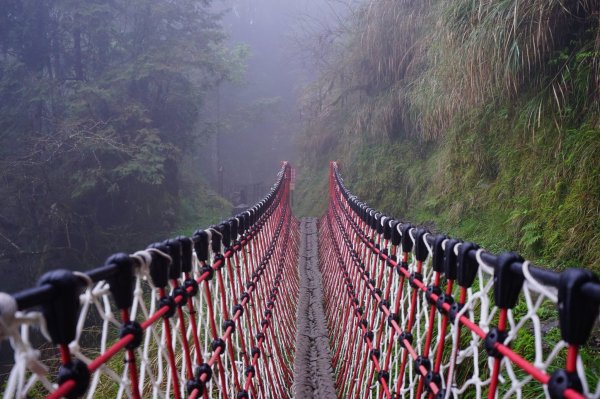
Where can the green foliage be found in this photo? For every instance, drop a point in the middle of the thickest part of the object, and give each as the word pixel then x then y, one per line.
pixel 200 207
pixel 308 197
pixel 530 197
pixel 473 118
pixel 99 104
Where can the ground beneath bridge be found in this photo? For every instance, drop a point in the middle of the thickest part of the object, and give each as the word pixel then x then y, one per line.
pixel 313 375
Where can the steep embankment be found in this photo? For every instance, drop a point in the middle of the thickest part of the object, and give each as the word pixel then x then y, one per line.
pixel 477 119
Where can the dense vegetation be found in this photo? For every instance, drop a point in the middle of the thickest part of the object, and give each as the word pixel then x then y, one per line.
pixel 99 109
pixel 478 118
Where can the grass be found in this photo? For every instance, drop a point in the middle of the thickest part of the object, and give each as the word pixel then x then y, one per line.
pixel 201 207
pixel 309 198
pixel 478 118
pixel 539 196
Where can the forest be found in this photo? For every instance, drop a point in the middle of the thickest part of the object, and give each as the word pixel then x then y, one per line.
pixel 99 104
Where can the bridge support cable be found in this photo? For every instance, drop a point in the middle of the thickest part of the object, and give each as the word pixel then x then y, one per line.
pixel 416 314
pixel 212 315
pixel 312 364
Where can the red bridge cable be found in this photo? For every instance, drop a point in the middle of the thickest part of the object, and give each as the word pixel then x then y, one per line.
pixel 336 208
pixel 284 215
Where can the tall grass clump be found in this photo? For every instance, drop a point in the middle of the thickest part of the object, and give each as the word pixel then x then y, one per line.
pixel 412 67
pixel 482 51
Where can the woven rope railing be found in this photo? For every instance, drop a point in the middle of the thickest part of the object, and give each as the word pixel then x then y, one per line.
pixel 410 314
pixel 414 314
pixel 209 316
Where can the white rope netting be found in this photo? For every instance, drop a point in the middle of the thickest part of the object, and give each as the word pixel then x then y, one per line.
pixel 456 351
pixel 172 348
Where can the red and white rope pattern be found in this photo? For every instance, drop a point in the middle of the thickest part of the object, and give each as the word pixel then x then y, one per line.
pixel 232 336
pixel 219 322
pixel 390 338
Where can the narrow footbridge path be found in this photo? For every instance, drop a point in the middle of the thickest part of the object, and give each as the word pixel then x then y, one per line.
pixel 313 376
pixel 354 304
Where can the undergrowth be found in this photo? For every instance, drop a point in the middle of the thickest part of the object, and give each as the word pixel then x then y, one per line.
pixel 538 196
pixel 486 127
pixel 201 207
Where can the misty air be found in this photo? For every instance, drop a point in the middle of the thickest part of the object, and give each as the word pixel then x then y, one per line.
pixel 310 199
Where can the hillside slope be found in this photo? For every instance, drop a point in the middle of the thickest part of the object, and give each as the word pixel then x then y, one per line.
pixel 480 119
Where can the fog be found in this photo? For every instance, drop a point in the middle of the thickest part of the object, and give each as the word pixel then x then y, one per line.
pixel 114 115
pixel 258 119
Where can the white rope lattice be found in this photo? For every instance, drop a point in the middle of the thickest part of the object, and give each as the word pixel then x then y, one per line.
pixel 439 355
pixel 232 337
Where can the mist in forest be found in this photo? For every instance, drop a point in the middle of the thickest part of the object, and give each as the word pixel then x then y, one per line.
pixel 257 116
pixel 128 122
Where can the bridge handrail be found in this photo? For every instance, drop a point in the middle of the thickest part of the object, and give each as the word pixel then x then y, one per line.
pixel 577 297
pixel 590 289
pixel 250 242
pixel 36 296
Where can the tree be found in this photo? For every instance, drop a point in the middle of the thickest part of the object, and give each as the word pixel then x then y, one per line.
pixel 99 103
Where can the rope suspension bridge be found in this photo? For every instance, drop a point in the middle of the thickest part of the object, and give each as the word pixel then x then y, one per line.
pixel 355 304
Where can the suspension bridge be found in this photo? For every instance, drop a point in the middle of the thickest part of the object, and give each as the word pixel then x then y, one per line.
pixel 355 304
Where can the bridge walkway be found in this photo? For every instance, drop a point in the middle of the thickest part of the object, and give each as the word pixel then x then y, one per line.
pixel 313 375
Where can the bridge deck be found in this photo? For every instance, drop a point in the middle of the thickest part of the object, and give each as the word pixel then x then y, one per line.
pixel 313 375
